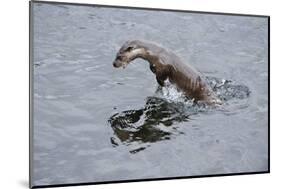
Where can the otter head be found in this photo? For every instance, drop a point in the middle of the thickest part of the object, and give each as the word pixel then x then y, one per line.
pixel 127 53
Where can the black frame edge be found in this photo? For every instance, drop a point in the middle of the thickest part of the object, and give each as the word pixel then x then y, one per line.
pixel 30 133
pixel 147 180
pixel 268 54
pixel 148 8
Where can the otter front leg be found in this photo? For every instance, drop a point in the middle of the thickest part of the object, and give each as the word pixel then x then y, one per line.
pixel 160 79
pixel 160 82
pixel 152 68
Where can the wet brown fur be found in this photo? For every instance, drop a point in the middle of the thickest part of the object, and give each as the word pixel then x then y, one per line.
pixel 166 65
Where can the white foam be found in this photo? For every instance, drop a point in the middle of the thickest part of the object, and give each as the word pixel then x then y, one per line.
pixel 171 93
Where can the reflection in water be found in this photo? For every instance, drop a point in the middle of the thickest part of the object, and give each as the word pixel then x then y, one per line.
pixel 152 123
pixel 155 122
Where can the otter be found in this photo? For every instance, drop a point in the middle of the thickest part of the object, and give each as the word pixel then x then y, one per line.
pixel 167 65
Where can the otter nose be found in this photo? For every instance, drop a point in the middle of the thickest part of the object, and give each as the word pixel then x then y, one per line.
pixel 114 64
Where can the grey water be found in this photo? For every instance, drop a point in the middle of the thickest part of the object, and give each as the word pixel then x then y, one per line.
pixel 93 122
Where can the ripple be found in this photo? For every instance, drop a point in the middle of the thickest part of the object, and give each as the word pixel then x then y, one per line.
pixel 50 97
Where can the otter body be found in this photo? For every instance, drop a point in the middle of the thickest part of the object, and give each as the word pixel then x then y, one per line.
pixel 166 65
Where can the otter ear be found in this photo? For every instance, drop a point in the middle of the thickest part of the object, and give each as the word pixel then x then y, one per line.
pixel 130 48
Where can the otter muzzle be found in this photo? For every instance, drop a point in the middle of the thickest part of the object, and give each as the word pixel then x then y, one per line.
pixel 118 64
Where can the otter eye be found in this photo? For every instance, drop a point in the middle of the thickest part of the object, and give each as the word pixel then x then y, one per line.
pixel 129 48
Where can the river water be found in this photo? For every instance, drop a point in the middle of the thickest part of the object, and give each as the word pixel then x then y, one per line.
pixel 95 123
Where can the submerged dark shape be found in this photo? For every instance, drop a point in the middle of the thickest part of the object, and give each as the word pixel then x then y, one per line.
pixel 143 125
pixel 166 65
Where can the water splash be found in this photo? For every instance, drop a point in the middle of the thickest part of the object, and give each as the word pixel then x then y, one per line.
pixel 155 121
pixel 228 90
pixel 170 93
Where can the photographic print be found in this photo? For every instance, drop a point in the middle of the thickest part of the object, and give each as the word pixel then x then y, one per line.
pixel 121 94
